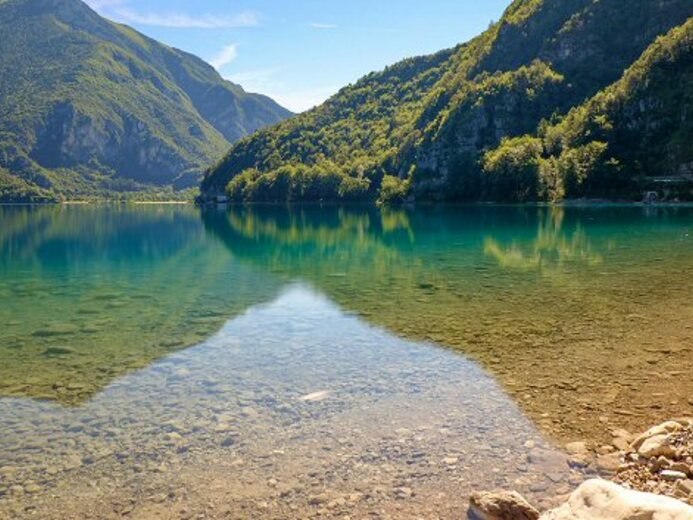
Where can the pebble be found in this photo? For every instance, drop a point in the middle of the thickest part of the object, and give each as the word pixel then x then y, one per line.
pixel 159 498
pixel 539 487
pixel 685 486
pixel 315 396
pixel 317 500
pixel 228 442
pixel 620 443
pixel 610 462
pixel 577 448
pixel 32 488
pixel 673 476
pixel 403 492
pixel 337 503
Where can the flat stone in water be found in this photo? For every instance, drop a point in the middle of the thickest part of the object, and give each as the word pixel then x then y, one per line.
pixel 61 329
pixel 58 351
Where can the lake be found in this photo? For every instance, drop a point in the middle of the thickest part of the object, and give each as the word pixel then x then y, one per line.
pixel 178 362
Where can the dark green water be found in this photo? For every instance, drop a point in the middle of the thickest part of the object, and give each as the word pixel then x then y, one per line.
pixel 128 333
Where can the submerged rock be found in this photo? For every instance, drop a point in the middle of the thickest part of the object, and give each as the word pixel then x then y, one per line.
pixel 56 329
pixel 602 500
pixel 58 351
pixel 315 396
pixel 501 506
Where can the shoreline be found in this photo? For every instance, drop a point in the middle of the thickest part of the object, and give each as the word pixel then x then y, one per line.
pixel 577 203
pixel 650 473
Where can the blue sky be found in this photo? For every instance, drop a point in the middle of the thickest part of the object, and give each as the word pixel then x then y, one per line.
pixel 302 51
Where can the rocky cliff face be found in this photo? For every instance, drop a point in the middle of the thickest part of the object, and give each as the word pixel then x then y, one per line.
pixel 90 106
pixel 583 45
pixel 129 149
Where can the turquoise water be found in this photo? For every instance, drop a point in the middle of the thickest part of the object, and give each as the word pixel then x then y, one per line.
pixel 278 362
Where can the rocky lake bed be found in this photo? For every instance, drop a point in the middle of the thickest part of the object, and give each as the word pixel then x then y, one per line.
pixel 252 364
pixel 270 432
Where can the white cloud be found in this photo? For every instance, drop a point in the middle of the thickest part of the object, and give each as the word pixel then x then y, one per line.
pixel 323 26
pixel 185 21
pixel 119 11
pixel 226 56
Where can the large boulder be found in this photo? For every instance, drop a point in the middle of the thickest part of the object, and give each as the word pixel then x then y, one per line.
pixel 602 500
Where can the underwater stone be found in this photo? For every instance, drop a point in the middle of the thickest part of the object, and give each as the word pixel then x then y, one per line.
pixel 59 351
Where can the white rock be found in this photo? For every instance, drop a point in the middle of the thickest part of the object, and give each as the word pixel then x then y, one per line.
pixel 602 500
pixel 657 446
pixel 673 476
pixel 315 396
pixel 663 429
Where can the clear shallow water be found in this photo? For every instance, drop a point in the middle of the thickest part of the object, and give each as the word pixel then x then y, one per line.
pixel 167 362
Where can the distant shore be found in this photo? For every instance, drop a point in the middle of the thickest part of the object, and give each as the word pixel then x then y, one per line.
pixel 426 204
pixel 96 202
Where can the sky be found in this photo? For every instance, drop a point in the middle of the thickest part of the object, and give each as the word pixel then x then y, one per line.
pixel 300 52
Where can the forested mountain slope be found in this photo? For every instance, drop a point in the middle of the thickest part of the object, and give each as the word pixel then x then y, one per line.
pixel 426 128
pixel 635 135
pixel 90 106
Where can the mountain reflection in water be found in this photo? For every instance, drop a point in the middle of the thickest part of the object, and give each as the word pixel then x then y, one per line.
pixel 570 308
pixel 290 402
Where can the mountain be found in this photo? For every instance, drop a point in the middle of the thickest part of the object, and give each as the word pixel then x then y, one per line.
pixel 432 128
pixel 90 106
pixel 632 137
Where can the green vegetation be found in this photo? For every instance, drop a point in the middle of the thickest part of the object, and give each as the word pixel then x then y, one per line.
pixel 613 144
pixel 90 108
pixel 508 116
pixel 15 189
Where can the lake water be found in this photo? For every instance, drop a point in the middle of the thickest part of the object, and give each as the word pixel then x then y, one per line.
pixel 173 362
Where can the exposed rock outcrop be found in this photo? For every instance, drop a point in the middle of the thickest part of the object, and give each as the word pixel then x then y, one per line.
pixel 603 500
pixel 594 500
pixel 653 476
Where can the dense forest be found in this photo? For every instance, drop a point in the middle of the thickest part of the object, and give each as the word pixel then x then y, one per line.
pixel 89 107
pixel 559 99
